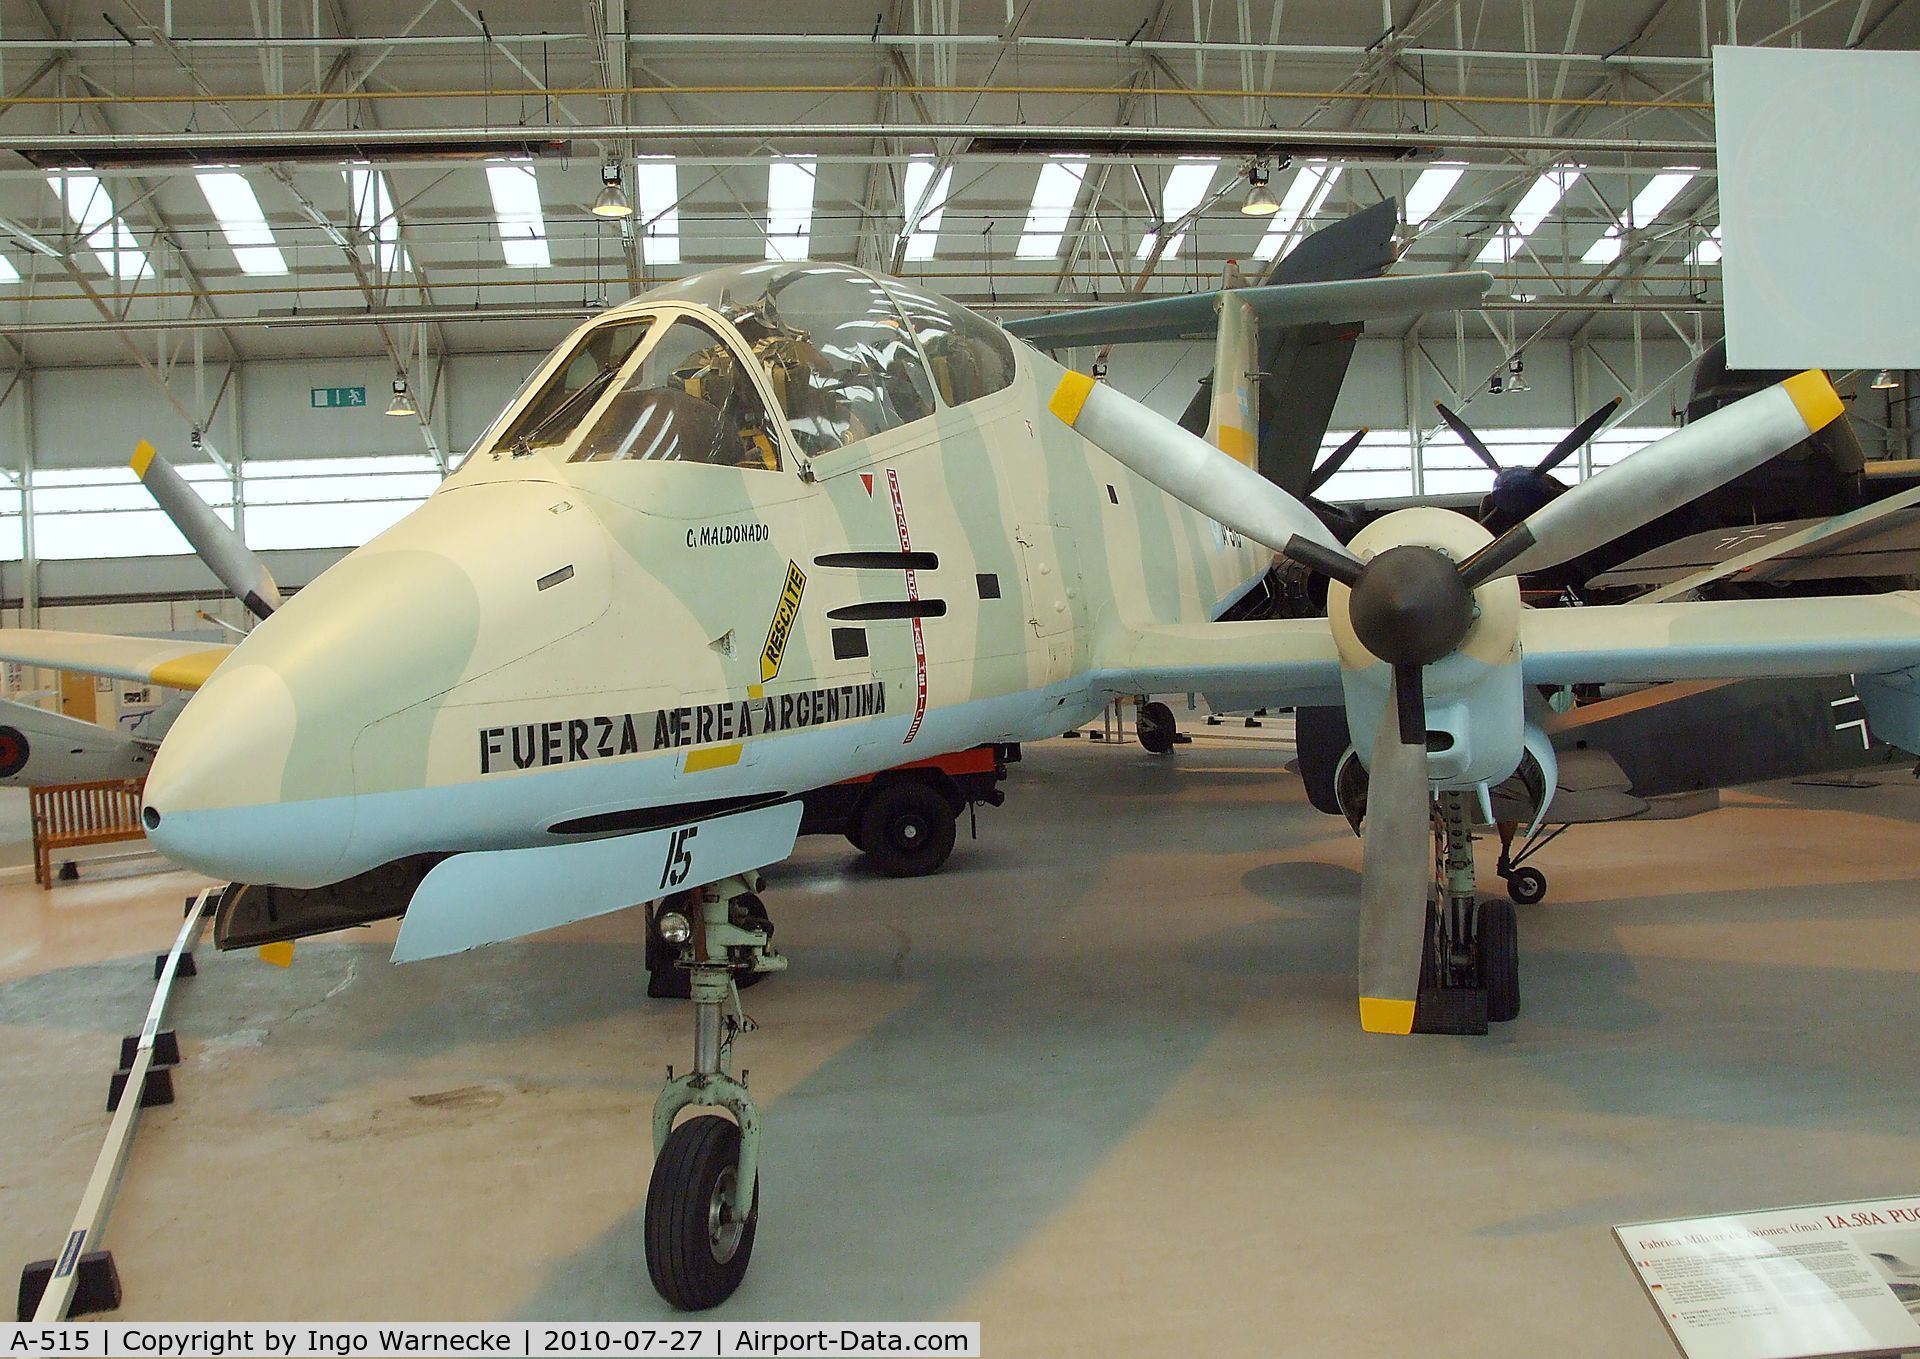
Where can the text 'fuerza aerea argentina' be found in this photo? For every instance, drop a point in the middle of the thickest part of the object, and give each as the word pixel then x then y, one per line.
pixel 533 745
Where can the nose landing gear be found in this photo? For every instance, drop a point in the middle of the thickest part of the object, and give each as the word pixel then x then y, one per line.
pixel 1470 968
pixel 703 1202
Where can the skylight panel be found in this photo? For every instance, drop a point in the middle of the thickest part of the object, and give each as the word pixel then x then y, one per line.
pixel 516 203
pixel 242 222
pixel 1052 207
pixel 656 192
pixel 1303 200
pixel 790 182
pixel 373 213
pixel 1708 251
pixel 1187 186
pixel 91 209
pixel 1535 205
pixel 925 201
pixel 1431 190
pixel 1653 199
pixel 8 274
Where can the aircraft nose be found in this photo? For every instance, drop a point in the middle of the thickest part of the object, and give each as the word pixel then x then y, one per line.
pixel 214 790
pixel 284 767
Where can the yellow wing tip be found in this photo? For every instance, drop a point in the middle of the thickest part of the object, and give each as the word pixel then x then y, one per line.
pixel 280 954
pixel 1070 397
pixel 1386 1016
pixel 143 454
pixel 1813 396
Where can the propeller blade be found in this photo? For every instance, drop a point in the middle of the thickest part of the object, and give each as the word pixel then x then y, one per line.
pixel 1334 461
pixel 1187 467
pixel 1662 476
pixel 1397 860
pixel 1576 437
pixel 219 546
pixel 1468 437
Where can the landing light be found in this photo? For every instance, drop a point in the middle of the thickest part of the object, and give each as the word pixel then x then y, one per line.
pixel 675 928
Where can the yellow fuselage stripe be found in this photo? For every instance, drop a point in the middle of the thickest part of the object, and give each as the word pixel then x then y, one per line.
pixel 713 757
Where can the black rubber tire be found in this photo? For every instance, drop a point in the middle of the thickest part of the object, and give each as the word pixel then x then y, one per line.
pixel 907 829
pixel 1155 727
pixel 680 1252
pixel 1496 945
pixel 1527 886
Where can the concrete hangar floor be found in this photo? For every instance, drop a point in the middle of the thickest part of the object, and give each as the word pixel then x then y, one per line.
pixel 1098 1086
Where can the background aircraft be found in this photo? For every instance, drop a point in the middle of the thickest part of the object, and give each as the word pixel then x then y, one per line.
pixel 770 527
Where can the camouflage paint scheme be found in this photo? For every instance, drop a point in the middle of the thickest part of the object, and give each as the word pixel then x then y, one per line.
pixel 352 726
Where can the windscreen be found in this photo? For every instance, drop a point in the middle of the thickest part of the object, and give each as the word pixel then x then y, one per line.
pixel 574 387
pixel 685 400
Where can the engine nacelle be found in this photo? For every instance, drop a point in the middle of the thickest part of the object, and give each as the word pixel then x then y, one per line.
pixel 1531 784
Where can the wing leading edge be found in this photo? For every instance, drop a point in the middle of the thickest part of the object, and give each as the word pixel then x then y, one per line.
pixel 144 660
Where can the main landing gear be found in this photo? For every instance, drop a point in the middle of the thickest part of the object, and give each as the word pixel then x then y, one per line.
pixel 703 1203
pixel 1470 967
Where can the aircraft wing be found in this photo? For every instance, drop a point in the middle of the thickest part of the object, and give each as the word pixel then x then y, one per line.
pixel 1281 304
pixel 1889 546
pixel 1290 660
pixel 1722 639
pixel 144 660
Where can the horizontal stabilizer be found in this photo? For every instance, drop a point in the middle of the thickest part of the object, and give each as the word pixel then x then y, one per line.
pixel 144 660
pixel 1282 304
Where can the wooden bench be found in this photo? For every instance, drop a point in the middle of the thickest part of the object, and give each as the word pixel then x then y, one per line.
pixel 75 814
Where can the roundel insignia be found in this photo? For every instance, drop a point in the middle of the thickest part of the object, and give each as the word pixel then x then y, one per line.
pixel 13 751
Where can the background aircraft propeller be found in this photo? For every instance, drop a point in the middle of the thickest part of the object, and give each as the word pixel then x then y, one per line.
pixel 1334 461
pixel 232 561
pixel 1519 491
pixel 1412 605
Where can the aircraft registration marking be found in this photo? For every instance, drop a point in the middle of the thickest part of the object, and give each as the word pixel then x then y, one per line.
pixel 913 593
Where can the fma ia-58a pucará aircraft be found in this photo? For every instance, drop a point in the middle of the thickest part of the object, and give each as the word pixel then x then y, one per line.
pixel 780 525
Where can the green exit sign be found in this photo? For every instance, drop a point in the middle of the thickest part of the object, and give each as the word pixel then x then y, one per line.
pixel 327 397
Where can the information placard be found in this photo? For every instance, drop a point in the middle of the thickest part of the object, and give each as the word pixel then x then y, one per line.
pixel 1787 1283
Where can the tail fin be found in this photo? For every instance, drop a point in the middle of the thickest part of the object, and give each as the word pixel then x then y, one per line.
pixel 1234 425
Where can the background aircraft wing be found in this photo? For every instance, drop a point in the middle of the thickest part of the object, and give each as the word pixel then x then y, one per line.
pixel 144 660
pixel 1282 304
pixel 1722 639
pixel 1289 660
pixel 1890 546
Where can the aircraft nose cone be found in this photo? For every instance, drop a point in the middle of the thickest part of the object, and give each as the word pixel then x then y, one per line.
pixel 221 766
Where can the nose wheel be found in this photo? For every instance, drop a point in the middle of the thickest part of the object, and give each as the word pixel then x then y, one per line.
pixel 703 1201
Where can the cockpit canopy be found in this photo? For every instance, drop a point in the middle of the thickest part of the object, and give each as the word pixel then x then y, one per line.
pixel 845 355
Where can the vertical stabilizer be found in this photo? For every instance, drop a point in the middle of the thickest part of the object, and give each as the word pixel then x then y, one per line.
pixel 1234 425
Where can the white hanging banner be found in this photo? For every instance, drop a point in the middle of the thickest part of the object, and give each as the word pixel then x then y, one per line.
pixel 1818 196
pixel 1788 1283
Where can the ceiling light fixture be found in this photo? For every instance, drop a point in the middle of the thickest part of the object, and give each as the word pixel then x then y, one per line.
pixel 1260 200
pixel 611 202
pixel 402 403
pixel 1884 381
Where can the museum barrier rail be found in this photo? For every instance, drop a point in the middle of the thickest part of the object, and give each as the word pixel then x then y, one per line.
pixel 75 814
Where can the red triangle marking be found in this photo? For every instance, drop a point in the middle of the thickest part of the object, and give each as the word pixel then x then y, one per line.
pixel 866 480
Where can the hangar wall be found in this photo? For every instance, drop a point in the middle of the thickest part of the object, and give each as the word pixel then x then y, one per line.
pixel 315 480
